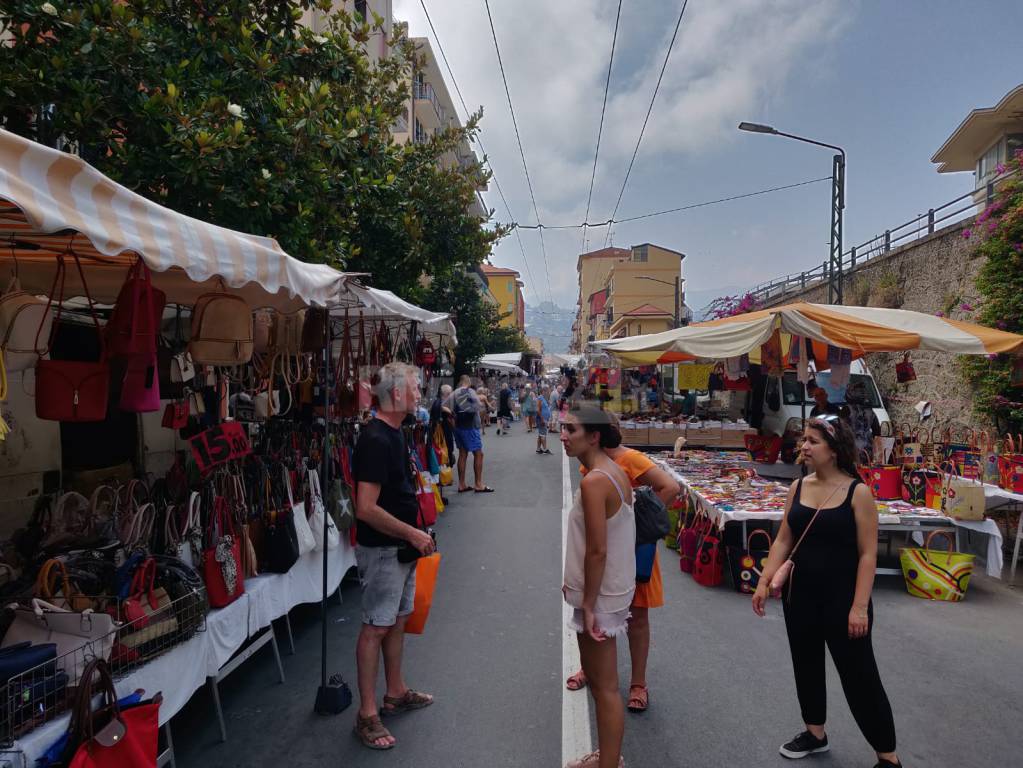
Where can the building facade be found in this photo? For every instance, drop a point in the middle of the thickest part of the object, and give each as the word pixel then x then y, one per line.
pixel 628 292
pixel 378 46
pixel 506 288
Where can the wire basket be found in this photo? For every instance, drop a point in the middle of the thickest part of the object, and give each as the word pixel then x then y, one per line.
pixel 41 694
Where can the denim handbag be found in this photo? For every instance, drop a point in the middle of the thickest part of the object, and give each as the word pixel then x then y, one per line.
pixel 21 657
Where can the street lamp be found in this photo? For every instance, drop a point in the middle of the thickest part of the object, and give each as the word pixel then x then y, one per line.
pixel 837 204
pixel 676 285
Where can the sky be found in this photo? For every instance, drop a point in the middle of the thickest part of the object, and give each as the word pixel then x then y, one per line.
pixel 887 81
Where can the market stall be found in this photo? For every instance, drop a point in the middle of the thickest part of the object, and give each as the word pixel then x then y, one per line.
pixel 807 337
pixel 178 445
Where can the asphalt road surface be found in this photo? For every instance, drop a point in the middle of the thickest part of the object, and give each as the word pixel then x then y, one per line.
pixel 721 689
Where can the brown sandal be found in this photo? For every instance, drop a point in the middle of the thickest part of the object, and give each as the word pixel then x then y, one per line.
pixel 409 701
pixel 369 730
pixel 577 681
pixel 638 702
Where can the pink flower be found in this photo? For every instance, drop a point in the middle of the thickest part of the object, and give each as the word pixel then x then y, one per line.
pixel 966 307
pixel 992 357
pixel 1017 247
pixel 939 313
pixel 1002 324
pixel 966 234
pixel 1000 169
pixel 992 226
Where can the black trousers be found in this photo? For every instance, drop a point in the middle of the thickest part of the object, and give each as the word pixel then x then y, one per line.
pixel 809 631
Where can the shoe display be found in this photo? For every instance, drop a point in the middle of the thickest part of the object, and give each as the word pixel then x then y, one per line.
pixel 804 744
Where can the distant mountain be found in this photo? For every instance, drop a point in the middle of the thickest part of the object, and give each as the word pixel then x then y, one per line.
pixel 551 323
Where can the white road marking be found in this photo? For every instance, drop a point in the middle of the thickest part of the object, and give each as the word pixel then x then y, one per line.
pixel 576 738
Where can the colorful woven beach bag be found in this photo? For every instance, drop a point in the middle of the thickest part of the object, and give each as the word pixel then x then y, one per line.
pixel 935 575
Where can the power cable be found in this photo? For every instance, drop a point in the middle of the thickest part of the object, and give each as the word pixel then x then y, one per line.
pixel 479 141
pixel 650 109
pixel 522 153
pixel 600 128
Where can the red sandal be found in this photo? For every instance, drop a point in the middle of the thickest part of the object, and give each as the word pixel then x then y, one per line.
pixel 638 703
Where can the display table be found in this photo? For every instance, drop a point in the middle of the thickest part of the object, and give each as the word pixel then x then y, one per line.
pixel 184 669
pixel 724 500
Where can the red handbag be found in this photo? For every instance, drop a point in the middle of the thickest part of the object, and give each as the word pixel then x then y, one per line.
pixel 763 448
pixel 135 321
pixel 689 541
pixel 175 415
pixel 424 497
pixel 71 390
pixel 222 586
pixel 904 371
pixel 884 481
pixel 709 567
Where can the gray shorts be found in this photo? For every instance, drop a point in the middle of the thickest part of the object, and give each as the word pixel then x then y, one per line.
pixel 388 587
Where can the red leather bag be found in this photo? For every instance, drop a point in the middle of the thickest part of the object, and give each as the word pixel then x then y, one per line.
pixel 71 390
pixel 135 321
pixel 424 497
pixel 709 567
pixel 175 415
pixel 689 542
pixel 222 587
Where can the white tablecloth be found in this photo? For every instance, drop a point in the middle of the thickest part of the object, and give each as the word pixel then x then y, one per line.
pixel 183 670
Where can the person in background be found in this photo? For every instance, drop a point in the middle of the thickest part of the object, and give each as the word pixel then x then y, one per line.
pixel 862 419
pixel 640 471
pixel 821 407
pixel 387 512
pixel 484 396
pixel 827 594
pixel 466 407
pixel 600 572
pixel 528 407
pixel 543 417
pixel 504 411
pixel 440 413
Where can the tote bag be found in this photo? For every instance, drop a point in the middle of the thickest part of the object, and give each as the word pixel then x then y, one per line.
pixel 934 575
pixel 426 583
pixel 319 516
pixel 709 567
pixel 747 565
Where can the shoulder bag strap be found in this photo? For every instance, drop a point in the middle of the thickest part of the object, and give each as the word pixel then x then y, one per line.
pixel 812 519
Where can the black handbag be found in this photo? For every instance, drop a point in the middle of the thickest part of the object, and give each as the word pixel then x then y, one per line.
pixel 280 541
pixel 652 523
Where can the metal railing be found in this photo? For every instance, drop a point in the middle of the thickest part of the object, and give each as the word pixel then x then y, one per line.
pixel 921 226
pixel 426 91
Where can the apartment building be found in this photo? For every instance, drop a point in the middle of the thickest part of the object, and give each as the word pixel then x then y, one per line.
pixel 378 45
pixel 506 288
pixel 628 292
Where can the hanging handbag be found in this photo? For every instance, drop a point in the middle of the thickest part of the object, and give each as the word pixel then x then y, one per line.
pixel 262 326
pixel 303 532
pixel 961 498
pixel 71 390
pixel 221 560
pixel 935 575
pixel 140 388
pixel 709 567
pixel 221 330
pixel 747 565
pixel 175 415
pixel 652 522
pixel 910 449
pixel 111 736
pixel 689 541
pixel 137 315
pixel 280 539
pixel 318 517
pixel 424 495
pixel 883 480
pixel 426 586
pixel 314 330
pixel 24 318
pixel 904 371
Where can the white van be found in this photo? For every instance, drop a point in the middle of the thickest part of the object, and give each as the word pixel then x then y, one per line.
pixel 784 397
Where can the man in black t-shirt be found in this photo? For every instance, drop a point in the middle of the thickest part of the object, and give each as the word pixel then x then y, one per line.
pixel 388 513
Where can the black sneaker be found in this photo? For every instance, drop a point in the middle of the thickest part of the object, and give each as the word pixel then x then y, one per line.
pixel 804 744
pixel 887 764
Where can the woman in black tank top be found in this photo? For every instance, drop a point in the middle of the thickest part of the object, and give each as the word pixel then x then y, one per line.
pixel 830 534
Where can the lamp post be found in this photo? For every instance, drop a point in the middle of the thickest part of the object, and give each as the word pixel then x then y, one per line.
pixel 677 286
pixel 837 204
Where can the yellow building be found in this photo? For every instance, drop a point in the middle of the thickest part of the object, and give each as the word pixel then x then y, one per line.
pixel 628 292
pixel 506 288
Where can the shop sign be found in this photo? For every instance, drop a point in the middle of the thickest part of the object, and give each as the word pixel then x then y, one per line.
pixel 220 444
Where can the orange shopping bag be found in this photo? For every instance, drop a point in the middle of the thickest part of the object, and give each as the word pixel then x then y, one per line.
pixel 426 581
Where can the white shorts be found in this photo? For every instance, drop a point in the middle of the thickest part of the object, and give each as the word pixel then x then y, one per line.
pixel 611 624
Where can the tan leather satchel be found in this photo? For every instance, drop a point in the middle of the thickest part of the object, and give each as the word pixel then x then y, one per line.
pixel 221 330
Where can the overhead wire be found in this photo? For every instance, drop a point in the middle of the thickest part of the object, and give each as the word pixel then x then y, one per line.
pixel 600 128
pixel 650 109
pixel 522 153
pixel 479 141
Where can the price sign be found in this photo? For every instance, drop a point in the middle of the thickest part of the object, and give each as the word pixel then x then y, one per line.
pixel 220 444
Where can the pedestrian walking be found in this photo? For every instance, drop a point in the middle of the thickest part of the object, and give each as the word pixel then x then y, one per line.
pixel 600 572
pixel 529 407
pixel 543 418
pixel 441 413
pixel 641 471
pixel 388 514
pixel 466 407
pixel 830 554
pixel 484 396
pixel 504 411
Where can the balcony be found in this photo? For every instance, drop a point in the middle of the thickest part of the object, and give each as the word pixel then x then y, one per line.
pixel 423 92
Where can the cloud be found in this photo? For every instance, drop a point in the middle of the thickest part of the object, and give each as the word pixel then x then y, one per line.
pixel 731 60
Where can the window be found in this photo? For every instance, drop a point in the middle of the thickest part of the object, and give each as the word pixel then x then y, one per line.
pixel 1013 144
pixel 511 286
pixel 792 389
pixel 639 328
pixel 401 123
pixel 989 161
pixel 360 9
pixel 420 135
pixel 639 253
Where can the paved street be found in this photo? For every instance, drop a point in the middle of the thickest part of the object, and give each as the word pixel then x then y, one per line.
pixel 720 679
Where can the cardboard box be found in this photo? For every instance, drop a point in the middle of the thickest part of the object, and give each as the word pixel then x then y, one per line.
pixel 667 435
pixel 635 436
pixel 735 438
pixel 697 436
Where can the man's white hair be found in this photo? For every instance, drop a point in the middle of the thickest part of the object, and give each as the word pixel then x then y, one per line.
pixel 445 390
pixel 391 377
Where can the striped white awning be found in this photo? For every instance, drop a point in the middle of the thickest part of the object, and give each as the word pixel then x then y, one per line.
pixel 51 202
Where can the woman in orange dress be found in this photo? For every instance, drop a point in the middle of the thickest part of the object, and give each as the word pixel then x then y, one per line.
pixel 641 471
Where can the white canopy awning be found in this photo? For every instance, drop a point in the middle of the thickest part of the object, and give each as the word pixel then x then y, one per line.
pixel 52 201
pixel 496 365
pixel 514 358
pixel 375 303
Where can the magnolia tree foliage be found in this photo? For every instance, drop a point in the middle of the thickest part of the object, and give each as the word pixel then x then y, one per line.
pixel 234 113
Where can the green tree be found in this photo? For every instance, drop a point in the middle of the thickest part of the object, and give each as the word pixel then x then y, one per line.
pixel 999 228
pixel 234 113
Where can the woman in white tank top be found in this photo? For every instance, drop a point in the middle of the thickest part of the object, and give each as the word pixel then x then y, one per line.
pixel 600 572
